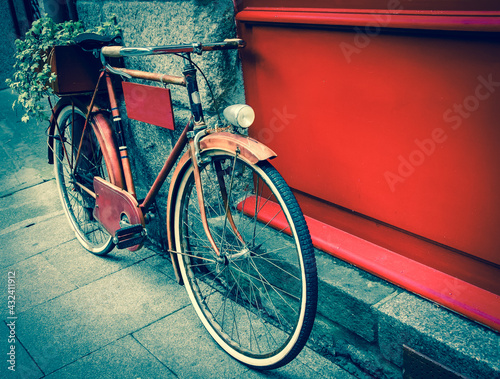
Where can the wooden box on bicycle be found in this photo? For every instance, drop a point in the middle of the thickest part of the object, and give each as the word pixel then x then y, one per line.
pixel 77 70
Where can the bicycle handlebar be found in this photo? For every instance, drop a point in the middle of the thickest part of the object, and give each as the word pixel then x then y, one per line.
pixel 120 51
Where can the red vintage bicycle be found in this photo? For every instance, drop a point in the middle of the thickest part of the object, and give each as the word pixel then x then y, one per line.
pixel 237 238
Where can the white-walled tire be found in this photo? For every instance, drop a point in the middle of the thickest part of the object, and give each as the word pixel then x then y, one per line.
pixel 77 204
pixel 258 299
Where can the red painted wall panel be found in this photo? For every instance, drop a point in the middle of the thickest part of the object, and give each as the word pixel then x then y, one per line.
pixel 385 123
pixel 402 129
pixel 385 120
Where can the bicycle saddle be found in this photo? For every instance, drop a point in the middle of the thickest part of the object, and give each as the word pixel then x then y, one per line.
pixel 91 41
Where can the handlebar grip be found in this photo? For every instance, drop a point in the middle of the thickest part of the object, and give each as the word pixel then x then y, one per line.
pixel 112 51
pixel 235 42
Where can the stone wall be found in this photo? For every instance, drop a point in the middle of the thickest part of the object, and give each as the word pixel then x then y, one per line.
pixel 153 23
pixel 7 47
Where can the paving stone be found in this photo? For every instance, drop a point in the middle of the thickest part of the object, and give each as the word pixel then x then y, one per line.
pixel 442 335
pixel 71 326
pixel 321 366
pixel 82 267
pixel 29 205
pixel 23 243
pixel 162 264
pixel 28 276
pixel 124 359
pixel 23 148
pixel 307 365
pixel 142 253
pixel 25 367
pixel 17 180
pixel 182 343
pixel 26 223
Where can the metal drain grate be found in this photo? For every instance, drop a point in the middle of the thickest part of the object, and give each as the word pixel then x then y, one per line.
pixel 419 366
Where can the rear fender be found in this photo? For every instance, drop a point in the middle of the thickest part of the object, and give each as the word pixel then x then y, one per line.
pixel 249 150
pixel 103 132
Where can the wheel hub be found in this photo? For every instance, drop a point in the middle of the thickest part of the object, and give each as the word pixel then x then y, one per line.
pixel 225 258
pixel 242 254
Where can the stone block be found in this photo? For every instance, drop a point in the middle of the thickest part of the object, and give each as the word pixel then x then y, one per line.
pixel 34 238
pixel 175 22
pixel 348 294
pixel 124 358
pixel 458 343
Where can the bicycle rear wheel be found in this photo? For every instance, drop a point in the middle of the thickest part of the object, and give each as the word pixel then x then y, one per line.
pixel 258 299
pixel 74 176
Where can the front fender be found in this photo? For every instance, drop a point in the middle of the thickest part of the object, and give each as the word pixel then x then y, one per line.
pixel 250 150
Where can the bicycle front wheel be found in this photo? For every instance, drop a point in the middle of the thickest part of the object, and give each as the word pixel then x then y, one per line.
pixel 258 298
pixel 75 177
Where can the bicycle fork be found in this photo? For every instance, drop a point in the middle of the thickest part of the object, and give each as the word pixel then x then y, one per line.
pixel 201 200
pixel 228 217
pixel 199 126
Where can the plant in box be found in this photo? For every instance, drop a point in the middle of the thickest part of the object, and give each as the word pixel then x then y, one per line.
pixel 33 76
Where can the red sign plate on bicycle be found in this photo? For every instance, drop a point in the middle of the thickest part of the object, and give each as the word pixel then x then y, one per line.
pixel 149 104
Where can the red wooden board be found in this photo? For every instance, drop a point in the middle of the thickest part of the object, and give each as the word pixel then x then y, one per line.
pixel 149 104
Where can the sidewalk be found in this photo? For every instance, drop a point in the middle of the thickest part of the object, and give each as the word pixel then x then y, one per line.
pixel 81 316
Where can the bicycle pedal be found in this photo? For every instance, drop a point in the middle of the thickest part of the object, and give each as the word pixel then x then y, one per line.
pixel 129 236
pixel 129 229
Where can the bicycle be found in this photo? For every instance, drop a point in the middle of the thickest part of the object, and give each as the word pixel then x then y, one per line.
pixel 237 238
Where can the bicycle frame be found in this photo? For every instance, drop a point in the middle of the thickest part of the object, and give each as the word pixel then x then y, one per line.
pixel 197 121
pixel 118 158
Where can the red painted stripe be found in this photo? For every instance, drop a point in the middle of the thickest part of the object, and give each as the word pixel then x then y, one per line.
pixel 455 294
pixel 438 20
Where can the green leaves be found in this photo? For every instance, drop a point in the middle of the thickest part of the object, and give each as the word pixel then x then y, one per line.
pixel 32 72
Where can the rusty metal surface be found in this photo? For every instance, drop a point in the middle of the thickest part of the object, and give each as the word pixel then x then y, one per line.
pixel 182 165
pixel 149 104
pixel 251 150
pixel 162 78
pixel 201 200
pixel 167 167
pixel 112 203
